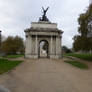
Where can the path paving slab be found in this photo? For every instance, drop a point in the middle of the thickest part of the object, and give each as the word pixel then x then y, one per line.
pixel 47 75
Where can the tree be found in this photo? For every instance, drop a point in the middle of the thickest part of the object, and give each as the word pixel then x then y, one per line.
pixel 66 49
pixel 12 45
pixel 82 40
pixel 19 44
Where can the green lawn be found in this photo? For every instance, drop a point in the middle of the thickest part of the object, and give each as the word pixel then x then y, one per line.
pixel 14 56
pixel 81 56
pixel 6 65
pixel 77 64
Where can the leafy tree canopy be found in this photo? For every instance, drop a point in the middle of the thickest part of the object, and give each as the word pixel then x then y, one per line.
pixel 12 45
pixel 82 41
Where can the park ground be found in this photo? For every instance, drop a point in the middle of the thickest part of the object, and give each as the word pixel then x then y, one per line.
pixel 47 75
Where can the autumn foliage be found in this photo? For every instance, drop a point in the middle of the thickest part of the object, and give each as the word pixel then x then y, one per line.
pixel 82 42
pixel 13 45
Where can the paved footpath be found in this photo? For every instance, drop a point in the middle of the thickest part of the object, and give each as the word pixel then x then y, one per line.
pixel 46 75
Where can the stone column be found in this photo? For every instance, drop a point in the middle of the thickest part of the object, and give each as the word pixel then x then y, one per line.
pixel 61 47
pixel 30 44
pixel 36 45
pixel 57 45
pixel 51 45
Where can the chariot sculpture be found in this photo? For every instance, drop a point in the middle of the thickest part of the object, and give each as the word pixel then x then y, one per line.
pixel 44 17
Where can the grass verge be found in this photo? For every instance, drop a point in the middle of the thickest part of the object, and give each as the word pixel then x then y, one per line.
pixel 77 64
pixel 81 56
pixel 14 56
pixel 6 65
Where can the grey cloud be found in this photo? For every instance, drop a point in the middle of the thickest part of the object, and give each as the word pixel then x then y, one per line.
pixel 17 15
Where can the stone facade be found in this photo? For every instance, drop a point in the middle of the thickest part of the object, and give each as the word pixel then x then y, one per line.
pixel 43 31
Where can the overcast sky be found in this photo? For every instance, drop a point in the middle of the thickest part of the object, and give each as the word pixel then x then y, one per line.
pixel 17 15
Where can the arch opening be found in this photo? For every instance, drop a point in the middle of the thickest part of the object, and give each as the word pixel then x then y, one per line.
pixel 43 49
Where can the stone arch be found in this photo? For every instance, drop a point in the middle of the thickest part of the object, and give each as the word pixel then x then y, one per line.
pixel 43 31
pixel 41 42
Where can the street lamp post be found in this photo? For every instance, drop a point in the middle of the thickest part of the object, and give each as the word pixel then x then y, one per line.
pixel 0 42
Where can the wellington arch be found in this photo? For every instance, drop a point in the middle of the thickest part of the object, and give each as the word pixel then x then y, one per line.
pixel 40 33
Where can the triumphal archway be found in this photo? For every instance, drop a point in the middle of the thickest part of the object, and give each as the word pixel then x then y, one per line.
pixel 43 39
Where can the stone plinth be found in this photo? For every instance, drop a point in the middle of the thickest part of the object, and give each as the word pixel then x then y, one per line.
pixel 37 25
